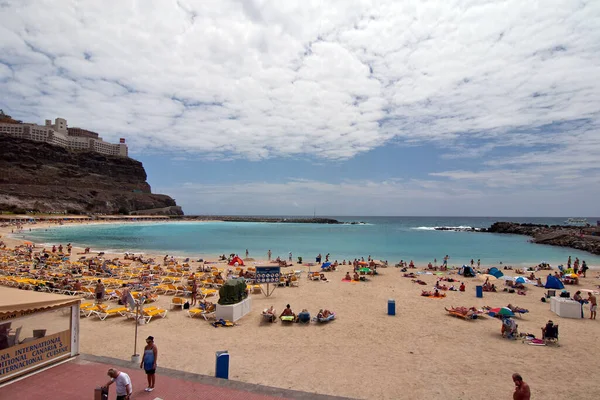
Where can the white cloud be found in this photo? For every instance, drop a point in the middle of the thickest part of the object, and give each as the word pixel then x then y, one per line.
pixel 392 197
pixel 259 79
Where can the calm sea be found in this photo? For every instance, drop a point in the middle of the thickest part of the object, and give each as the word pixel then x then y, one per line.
pixel 386 238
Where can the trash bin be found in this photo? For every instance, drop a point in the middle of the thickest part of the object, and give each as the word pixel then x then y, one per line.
pixel 391 307
pixel 479 291
pixel 101 393
pixel 222 365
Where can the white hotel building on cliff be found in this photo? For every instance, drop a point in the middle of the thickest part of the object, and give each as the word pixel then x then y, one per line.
pixel 59 134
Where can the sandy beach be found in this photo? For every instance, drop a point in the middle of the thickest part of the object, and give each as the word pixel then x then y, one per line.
pixel 421 352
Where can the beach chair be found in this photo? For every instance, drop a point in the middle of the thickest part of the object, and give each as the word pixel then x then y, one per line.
pixel 551 335
pixel 84 307
pixel 13 340
pixel 95 308
pixel 287 318
pixel 256 289
pixel 322 320
pixel 121 311
pixel 203 311
pixel 304 317
pixel 177 302
pixel 151 312
pixel 268 317
pixel 204 293
pixel 294 281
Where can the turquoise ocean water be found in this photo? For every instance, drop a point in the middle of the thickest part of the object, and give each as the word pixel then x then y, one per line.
pixel 386 238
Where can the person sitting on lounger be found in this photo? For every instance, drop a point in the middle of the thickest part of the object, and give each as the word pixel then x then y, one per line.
pixel 269 314
pixel 304 316
pixel 549 331
pixel 324 314
pixel 287 312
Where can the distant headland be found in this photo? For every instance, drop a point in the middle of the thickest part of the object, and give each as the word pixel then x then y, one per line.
pixel 586 238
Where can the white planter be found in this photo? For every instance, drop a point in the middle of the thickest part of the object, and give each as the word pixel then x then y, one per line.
pixel 136 359
pixel 234 312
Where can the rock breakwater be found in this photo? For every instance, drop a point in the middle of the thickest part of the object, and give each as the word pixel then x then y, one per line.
pixel 575 237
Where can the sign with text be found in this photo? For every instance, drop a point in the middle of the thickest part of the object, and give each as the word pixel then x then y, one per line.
pixel 26 356
pixel 267 274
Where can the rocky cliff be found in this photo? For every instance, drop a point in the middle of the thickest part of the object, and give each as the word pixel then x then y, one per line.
pixel 41 177
pixel 585 239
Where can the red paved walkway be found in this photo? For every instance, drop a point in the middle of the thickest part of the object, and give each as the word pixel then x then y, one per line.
pixel 76 380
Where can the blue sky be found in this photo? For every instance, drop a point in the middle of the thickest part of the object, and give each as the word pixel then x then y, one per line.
pixel 351 107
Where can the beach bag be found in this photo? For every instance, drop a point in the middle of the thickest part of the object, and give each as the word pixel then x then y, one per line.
pixel 186 305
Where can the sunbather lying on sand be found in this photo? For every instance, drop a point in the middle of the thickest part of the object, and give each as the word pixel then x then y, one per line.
pixel 409 275
pixel 324 314
pixel 467 312
pixel 517 309
pixel 420 282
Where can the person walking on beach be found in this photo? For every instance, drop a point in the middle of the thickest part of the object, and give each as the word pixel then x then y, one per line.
pixel 122 382
pixel 194 293
pixel 290 256
pixel 478 263
pixel 522 390
pixel 446 260
pixel 593 305
pixel 149 362
pixel 99 290
pixel 584 268
pixel 269 254
pixel 247 253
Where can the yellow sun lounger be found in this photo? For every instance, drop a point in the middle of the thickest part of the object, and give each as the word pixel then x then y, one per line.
pixel 94 309
pixel 121 311
pixel 177 302
pixel 199 312
pixel 204 293
pixel 150 313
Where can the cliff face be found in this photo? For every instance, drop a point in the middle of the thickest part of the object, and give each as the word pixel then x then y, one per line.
pixel 46 178
pixel 555 235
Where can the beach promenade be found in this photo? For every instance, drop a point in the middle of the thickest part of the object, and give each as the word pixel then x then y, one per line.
pixel 77 378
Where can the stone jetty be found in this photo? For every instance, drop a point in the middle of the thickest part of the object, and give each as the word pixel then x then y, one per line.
pixel 575 237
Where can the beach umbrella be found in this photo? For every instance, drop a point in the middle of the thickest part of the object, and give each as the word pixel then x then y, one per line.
pixel 573 276
pixel 325 265
pixel 522 280
pixel 496 272
pixel 365 270
pixel 484 277
pixel 504 311
pixel 363 263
